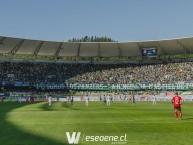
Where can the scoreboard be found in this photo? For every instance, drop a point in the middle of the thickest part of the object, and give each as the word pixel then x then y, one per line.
pixel 152 52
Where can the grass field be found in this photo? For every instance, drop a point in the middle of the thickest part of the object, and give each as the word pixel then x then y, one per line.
pixel 143 124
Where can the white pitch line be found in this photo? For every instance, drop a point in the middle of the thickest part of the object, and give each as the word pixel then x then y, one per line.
pixel 69 123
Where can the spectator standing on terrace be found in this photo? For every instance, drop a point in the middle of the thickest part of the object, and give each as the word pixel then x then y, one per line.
pixel 177 101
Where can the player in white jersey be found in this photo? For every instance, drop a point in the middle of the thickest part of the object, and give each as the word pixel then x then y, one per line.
pixel 49 100
pixel 154 100
pixel 20 99
pixel 86 100
pixel 108 101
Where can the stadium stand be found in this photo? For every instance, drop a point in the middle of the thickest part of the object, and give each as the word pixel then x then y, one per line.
pixel 24 72
pixel 95 73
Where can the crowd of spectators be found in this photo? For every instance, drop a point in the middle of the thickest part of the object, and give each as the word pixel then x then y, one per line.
pixel 95 73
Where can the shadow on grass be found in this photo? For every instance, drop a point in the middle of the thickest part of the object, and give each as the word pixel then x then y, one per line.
pixel 187 118
pixel 69 106
pixel 11 135
pixel 45 107
pixel 61 105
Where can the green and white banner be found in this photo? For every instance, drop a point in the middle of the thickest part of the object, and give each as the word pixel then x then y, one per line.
pixel 105 86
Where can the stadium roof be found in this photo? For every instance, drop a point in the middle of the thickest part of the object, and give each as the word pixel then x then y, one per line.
pixel 21 46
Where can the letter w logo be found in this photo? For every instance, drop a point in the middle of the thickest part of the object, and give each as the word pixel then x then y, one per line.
pixel 74 138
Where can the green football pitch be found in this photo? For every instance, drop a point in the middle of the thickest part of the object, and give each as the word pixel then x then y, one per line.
pixel 140 123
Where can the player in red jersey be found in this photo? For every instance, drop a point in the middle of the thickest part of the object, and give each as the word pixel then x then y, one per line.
pixel 177 101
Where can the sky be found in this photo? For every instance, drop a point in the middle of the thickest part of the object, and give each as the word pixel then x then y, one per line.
pixel 121 20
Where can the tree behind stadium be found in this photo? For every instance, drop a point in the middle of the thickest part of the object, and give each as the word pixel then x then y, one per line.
pixel 92 39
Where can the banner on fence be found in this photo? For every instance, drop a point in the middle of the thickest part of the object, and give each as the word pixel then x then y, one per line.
pixel 106 86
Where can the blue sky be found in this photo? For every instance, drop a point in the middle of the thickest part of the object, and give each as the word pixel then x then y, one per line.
pixel 122 20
